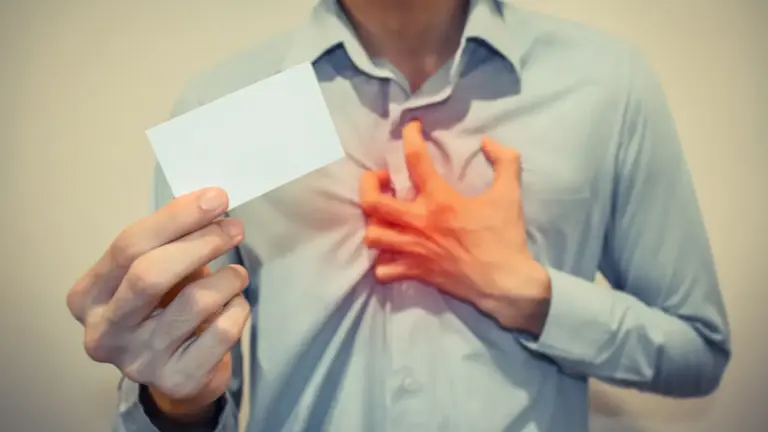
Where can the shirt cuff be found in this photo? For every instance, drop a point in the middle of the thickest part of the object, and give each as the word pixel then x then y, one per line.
pixel 578 323
pixel 132 417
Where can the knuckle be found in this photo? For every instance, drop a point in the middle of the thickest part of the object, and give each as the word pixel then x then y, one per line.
pixel 227 333
pixel 439 210
pixel 158 344
pixel 97 346
pixel 74 302
pixel 134 375
pixel 180 383
pixel 142 278
pixel 201 303
pixel 138 370
pixel 124 250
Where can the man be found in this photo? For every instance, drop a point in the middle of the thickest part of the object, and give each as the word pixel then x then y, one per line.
pixel 440 277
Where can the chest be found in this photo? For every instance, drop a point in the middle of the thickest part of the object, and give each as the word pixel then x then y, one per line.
pixel 561 134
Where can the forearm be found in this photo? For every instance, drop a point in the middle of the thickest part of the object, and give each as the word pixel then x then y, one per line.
pixel 610 335
pixel 664 328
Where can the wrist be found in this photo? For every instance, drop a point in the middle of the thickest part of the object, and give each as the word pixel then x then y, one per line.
pixel 522 297
pixel 193 410
pixel 534 315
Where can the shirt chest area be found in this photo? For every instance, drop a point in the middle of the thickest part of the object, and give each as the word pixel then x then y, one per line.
pixel 563 156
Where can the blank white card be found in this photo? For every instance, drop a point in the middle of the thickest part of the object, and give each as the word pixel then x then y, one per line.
pixel 251 141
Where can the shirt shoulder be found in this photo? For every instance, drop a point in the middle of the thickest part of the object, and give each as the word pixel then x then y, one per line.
pixel 584 47
pixel 247 67
pixel 577 54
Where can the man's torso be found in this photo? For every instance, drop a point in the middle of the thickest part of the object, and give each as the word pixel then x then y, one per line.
pixel 331 348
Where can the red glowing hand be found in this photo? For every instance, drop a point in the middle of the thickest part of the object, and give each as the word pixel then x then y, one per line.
pixel 471 248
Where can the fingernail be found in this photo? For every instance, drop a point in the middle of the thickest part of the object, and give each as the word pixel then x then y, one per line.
pixel 213 199
pixel 232 227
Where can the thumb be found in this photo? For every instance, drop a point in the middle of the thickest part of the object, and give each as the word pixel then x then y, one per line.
pixel 505 162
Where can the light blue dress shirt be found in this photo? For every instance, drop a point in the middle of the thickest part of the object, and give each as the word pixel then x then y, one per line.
pixel 605 188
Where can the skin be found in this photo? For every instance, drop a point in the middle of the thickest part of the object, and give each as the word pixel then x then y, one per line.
pixel 151 307
pixel 417 37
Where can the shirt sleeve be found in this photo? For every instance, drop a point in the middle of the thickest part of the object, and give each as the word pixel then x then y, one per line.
pixel 663 328
pixel 131 416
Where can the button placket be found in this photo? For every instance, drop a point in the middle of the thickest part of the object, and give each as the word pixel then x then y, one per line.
pixel 407 388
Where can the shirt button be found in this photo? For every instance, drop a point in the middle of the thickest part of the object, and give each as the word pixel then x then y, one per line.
pixel 411 385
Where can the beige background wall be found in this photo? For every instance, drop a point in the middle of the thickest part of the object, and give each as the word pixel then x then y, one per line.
pixel 80 80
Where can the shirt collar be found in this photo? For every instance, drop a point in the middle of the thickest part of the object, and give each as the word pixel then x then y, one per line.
pixel 326 28
pixel 495 22
pixel 500 25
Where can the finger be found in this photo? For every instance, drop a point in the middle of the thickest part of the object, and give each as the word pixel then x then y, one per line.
pixel 181 216
pixel 375 203
pixel 171 294
pixel 505 162
pixel 374 183
pixel 223 333
pixel 395 270
pixel 384 257
pixel 196 304
pixel 385 181
pixel 421 169
pixel 392 239
pixel 157 272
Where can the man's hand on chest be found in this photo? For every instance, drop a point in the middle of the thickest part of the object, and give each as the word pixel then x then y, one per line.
pixel 471 248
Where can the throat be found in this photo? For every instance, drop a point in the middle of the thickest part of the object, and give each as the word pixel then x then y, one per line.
pixel 418 73
pixel 416 37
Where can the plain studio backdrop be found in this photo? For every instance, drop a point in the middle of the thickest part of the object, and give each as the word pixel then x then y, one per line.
pixel 80 81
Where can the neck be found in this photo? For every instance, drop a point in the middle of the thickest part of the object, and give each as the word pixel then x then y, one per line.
pixel 417 36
